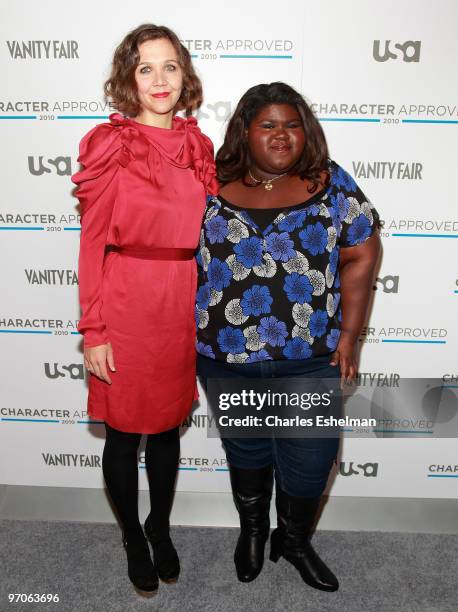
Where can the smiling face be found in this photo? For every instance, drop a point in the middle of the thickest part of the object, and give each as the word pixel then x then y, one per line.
pixel 276 139
pixel 159 79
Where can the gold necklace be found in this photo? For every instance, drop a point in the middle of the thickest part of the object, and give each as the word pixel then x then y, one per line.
pixel 268 182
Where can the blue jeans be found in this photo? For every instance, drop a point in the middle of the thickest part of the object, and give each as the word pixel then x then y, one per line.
pixel 301 465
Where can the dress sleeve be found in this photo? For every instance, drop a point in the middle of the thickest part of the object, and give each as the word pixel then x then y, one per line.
pixel 358 217
pixel 97 190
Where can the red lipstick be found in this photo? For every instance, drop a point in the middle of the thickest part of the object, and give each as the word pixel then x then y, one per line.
pixel 162 94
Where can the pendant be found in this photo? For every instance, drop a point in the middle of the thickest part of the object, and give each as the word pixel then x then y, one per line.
pixel 268 186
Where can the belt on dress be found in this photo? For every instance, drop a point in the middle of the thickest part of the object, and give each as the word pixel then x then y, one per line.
pixel 159 253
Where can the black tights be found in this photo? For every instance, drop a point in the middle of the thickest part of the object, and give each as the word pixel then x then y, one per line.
pixel 120 470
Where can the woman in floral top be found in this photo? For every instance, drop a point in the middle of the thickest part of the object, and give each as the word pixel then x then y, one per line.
pixel 286 265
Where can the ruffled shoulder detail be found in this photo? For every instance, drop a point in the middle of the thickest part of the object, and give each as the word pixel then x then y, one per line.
pixel 96 150
pixel 201 150
pixel 98 153
pixel 102 150
pixel 106 143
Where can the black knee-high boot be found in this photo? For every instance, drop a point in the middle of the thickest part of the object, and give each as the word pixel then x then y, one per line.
pixel 120 470
pixel 162 453
pixel 291 540
pixel 252 491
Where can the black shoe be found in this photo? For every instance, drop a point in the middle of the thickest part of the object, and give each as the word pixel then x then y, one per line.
pixel 291 540
pixel 140 570
pixel 165 556
pixel 252 491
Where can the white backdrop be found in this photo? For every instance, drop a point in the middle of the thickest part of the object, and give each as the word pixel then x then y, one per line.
pixel 390 113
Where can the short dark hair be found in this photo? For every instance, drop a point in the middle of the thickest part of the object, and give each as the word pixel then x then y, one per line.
pixel 121 89
pixel 232 159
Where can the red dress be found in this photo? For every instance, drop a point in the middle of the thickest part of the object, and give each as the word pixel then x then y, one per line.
pixel 142 187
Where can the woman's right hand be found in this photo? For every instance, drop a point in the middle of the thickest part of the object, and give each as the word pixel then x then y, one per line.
pixel 96 359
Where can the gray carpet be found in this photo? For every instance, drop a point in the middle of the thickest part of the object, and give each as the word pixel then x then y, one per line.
pixel 85 565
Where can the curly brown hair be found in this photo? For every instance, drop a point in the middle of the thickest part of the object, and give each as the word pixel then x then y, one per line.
pixel 121 89
pixel 233 158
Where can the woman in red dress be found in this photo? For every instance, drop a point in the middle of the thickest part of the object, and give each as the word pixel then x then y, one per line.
pixel 142 192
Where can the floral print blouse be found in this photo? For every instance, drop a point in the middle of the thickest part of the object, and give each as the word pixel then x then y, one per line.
pixel 274 293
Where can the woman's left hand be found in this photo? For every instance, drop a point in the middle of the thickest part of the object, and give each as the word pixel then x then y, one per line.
pixel 344 356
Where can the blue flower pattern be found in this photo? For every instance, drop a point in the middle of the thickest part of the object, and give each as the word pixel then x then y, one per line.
pixel 249 252
pixel 314 238
pixel 334 260
pixel 256 301
pixel 292 221
pixel 219 274
pixel 261 355
pixel 203 296
pixel 298 288
pixel 205 350
pixel 332 339
pixel 217 229
pixel 360 230
pixel 280 246
pixel 272 331
pixel 231 340
pixel 318 323
pixel 297 348
pixel 266 282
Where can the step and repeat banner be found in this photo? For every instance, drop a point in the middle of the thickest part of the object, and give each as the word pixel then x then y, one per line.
pixel 379 76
